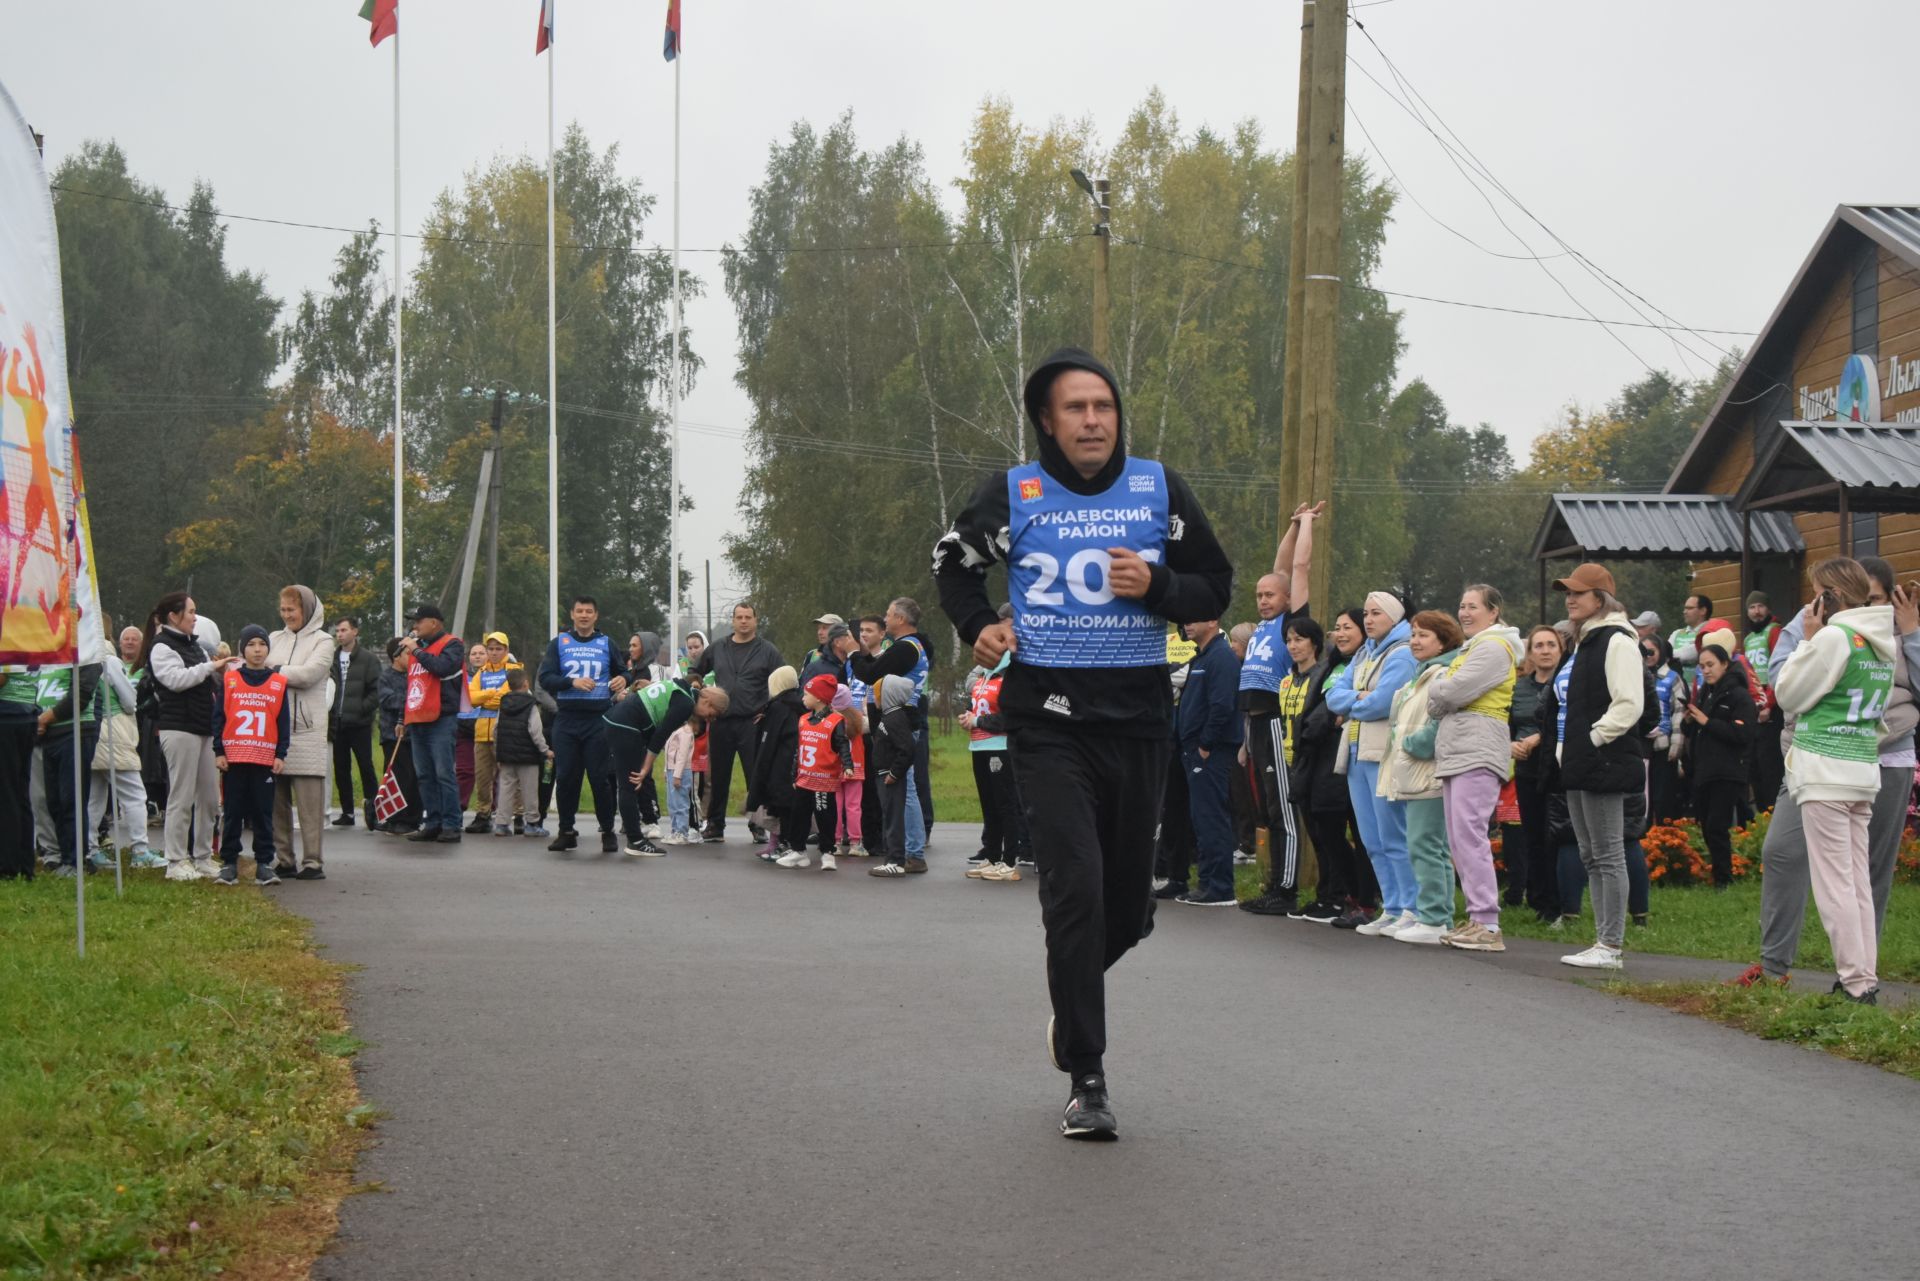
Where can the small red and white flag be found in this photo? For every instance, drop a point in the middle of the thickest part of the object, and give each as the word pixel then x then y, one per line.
pixel 545 38
pixel 390 799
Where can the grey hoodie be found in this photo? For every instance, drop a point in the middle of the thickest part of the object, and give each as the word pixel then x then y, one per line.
pixel 1468 740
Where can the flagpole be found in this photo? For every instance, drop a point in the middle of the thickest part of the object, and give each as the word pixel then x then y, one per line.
pixel 399 295
pixel 74 624
pixel 673 390
pixel 553 389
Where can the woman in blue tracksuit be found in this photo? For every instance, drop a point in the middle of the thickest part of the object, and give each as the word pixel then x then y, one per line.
pixel 1363 694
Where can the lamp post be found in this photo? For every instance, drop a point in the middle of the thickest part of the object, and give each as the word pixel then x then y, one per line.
pixel 1097 190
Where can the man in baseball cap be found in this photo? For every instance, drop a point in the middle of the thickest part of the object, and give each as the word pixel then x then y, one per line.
pixel 1647 624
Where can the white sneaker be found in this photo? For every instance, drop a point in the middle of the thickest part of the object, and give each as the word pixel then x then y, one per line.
pixel 1379 924
pixel 793 858
pixel 1597 957
pixel 1406 919
pixel 651 831
pixel 828 863
pixel 205 868
pixel 1159 883
pixel 181 872
pixel 1428 935
pixel 858 851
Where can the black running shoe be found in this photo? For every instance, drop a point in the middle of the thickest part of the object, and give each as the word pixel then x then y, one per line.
pixel 1269 905
pixel 609 843
pixel 1352 919
pixel 311 872
pixel 1869 997
pixel 345 820
pixel 1089 1114
pixel 1322 913
pixel 481 824
pixel 1170 891
pixel 423 835
pixel 564 841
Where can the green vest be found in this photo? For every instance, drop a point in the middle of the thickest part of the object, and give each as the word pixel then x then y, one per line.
pixel 53 688
pixel 1682 637
pixel 1758 655
pixel 1845 724
pixel 657 697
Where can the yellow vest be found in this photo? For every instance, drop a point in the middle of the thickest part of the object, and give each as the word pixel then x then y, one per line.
pixel 1498 701
pixel 1293 701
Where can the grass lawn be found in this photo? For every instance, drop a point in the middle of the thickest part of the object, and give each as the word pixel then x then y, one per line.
pixel 951 768
pixel 1724 925
pixel 181 1100
pixel 1887 1037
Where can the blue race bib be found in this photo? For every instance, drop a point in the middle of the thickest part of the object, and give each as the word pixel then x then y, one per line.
pixel 1267 659
pixel 586 659
pixel 1064 613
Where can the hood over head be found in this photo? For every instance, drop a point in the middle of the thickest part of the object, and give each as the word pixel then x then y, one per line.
pixel 1874 623
pixel 650 647
pixel 313 616
pixel 895 692
pixel 1039 388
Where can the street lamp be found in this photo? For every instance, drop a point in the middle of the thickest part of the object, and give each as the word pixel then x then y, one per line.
pixel 1097 190
pixel 501 396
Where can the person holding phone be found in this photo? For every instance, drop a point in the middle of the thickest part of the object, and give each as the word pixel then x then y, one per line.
pixel 1838 683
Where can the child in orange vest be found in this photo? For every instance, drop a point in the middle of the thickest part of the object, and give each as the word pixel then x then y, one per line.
pixel 251 729
pixel 822 763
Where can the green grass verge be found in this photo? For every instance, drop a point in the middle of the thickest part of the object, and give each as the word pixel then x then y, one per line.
pixel 1885 1036
pixel 950 767
pixel 1724 925
pixel 179 1101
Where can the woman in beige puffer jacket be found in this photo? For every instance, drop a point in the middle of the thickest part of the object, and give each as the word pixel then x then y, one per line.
pixel 303 651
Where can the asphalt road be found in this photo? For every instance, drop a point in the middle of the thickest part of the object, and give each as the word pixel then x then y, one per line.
pixel 705 1067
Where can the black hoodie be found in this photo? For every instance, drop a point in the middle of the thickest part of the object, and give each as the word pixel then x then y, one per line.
pixel 1192 586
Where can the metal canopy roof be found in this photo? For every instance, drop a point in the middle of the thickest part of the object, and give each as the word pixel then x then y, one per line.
pixel 1807 464
pixel 1658 527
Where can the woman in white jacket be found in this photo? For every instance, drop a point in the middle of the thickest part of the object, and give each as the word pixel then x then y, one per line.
pixel 1838 683
pixel 303 651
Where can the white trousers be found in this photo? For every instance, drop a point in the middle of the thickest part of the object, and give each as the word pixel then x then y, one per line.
pixel 193 795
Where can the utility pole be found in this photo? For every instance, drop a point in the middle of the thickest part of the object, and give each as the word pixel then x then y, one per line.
pixel 1098 190
pixel 1293 470
pixel 1311 394
pixel 493 503
pixel 709 602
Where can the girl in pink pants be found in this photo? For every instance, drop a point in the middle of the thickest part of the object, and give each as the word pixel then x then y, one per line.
pixel 848 801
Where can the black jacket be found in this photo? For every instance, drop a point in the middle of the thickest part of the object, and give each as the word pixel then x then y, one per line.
pixel 1209 713
pixel 356 695
pixel 771 783
pixel 512 740
pixel 393 702
pixel 1522 721
pixel 1717 751
pixel 742 671
pixel 893 751
pixel 1316 747
pixel 1193 584
pixel 1618 766
pixel 189 710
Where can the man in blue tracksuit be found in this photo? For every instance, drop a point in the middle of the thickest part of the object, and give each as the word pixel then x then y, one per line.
pixel 579 670
pixel 1209 726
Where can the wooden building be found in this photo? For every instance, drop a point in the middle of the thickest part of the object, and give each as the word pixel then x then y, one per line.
pixel 1813 448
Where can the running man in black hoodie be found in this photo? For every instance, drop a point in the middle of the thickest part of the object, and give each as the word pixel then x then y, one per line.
pixel 1102 551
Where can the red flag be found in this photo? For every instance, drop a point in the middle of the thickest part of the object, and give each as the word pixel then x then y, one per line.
pixel 385 17
pixel 391 798
pixel 545 38
pixel 672 49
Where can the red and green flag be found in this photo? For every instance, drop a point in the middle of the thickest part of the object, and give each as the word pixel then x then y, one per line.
pixel 385 17
pixel 672 49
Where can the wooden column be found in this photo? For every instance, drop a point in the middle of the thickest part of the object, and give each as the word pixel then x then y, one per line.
pixel 1326 183
pixel 1292 458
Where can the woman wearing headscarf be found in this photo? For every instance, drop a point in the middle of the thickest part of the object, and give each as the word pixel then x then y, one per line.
pixel 1470 697
pixel 1408 776
pixel 1363 694
pixel 303 651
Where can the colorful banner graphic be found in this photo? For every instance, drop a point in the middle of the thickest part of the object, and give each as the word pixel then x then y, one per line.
pixel 47 590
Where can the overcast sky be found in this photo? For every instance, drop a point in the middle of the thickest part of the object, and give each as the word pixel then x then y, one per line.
pixel 1693 150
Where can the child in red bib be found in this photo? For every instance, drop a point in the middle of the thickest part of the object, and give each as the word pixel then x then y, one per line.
pixel 251 728
pixel 821 763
